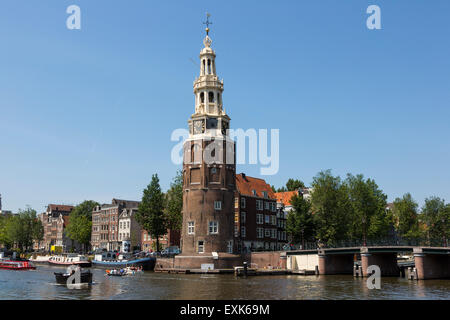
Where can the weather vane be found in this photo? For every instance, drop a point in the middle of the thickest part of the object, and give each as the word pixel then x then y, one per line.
pixel 207 23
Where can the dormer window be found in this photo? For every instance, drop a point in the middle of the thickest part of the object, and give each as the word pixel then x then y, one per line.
pixel 264 194
pixel 254 192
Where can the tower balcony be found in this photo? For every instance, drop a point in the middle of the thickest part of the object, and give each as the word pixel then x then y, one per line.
pixel 199 84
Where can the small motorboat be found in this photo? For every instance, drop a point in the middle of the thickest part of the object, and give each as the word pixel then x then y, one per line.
pixel 85 277
pixel 116 272
pixel 16 264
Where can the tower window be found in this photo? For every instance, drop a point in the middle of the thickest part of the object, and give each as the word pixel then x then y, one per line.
pixel 211 97
pixel 201 247
pixel 209 66
pixel 218 205
pixel 191 227
pixel 213 227
pixel 202 97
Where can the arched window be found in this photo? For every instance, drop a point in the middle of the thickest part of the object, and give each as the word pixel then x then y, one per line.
pixel 211 97
pixel 218 99
pixel 203 67
pixel 202 97
pixel 209 66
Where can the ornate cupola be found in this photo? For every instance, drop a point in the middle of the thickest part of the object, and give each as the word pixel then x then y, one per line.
pixel 209 116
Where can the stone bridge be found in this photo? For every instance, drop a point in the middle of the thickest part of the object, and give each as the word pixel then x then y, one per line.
pixel 430 262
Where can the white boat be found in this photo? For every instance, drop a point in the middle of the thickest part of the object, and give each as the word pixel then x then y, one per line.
pixel 39 259
pixel 69 259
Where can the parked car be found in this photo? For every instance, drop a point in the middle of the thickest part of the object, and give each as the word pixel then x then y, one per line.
pixel 171 251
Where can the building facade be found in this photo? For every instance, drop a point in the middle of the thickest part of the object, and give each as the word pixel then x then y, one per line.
pixel 54 221
pixel 129 229
pixel 208 167
pixel 258 223
pixel 105 224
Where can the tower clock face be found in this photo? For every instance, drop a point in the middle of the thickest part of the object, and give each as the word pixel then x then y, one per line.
pixel 199 126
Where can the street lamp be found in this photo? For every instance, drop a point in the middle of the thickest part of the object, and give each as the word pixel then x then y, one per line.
pixel 364 230
pixel 443 232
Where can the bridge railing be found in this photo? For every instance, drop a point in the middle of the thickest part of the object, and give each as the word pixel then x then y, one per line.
pixel 415 242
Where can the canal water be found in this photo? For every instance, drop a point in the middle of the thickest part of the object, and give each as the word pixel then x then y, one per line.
pixel 40 284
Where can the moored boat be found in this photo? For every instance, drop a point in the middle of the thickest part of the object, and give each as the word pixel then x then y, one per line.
pixel 70 259
pixel 39 259
pixel 16 264
pixel 118 261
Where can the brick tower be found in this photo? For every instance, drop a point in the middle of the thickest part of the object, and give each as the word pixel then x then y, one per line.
pixel 208 169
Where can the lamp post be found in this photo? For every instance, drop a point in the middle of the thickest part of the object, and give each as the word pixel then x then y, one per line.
pixel 443 232
pixel 364 230
pixel 303 238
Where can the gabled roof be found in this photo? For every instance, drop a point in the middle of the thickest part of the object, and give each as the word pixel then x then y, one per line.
pixel 125 203
pixel 285 197
pixel 60 207
pixel 245 186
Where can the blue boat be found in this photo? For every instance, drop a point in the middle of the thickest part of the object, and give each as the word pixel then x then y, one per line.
pixel 117 261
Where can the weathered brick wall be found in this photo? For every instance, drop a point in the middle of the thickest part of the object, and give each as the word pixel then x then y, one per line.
pixel 164 263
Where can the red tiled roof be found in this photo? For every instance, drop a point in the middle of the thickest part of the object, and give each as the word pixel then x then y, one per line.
pixel 245 186
pixel 285 197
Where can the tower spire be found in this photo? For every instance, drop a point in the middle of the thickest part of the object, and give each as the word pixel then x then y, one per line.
pixel 207 22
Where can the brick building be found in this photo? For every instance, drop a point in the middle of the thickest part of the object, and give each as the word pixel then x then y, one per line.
pixel 54 222
pixel 259 224
pixel 105 224
pixel 208 167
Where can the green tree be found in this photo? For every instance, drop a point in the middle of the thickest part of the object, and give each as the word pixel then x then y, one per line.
pixel 174 203
pixel 80 223
pixel 300 221
pixel 4 235
pixel 294 184
pixel 405 212
pixel 22 228
pixel 431 212
pixel 331 206
pixel 38 231
pixel 368 208
pixel 150 213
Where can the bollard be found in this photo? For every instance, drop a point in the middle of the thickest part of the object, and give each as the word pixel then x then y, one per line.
pixel 316 270
pixel 245 269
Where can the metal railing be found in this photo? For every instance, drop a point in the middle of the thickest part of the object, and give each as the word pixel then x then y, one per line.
pixel 399 242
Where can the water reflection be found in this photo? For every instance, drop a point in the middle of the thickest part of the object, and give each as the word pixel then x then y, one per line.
pixel 41 284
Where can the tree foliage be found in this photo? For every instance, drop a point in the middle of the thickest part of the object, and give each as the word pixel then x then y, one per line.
pixel 406 215
pixel 368 208
pixel 150 213
pixel 174 203
pixel 21 229
pixel 294 184
pixel 80 222
pixel 300 221
pixel 330 204
pixel 436 216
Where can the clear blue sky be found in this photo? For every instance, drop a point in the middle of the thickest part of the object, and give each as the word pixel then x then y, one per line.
pixel 88 114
